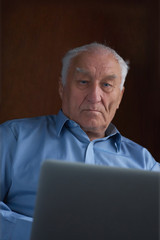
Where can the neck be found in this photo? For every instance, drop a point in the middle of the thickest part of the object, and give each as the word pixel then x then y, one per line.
pixel 94 135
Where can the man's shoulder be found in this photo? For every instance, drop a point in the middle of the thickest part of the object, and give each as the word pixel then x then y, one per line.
pixel 29 122
pixel 128 141
pixel 134 147
pixel 131 144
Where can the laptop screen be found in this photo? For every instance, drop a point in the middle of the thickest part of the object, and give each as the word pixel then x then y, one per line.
pixel 79 201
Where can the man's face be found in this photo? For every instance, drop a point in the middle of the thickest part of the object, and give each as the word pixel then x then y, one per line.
pixel 92 91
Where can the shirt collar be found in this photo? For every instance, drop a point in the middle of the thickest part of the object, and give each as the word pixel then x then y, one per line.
pixel 110 132
pixel 60 121
pixel 115 134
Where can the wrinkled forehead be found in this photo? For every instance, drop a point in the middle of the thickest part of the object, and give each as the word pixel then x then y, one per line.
pixel 99 60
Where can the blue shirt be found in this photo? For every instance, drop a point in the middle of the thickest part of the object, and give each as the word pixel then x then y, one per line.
pixel 26 143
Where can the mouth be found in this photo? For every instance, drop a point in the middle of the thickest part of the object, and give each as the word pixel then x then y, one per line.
pixel 92 110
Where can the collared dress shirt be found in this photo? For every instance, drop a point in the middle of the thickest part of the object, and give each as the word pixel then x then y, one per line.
pixel 26 143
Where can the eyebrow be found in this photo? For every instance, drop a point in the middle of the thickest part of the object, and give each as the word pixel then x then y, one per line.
pixel 107 77
pixel 111 77
pixel 81 70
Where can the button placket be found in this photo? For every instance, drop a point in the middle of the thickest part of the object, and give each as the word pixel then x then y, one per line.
pixel 89 158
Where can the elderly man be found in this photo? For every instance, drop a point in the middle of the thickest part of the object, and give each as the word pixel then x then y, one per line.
pixel 91 89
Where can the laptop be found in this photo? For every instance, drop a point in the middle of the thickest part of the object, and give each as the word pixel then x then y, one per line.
pixel 78 201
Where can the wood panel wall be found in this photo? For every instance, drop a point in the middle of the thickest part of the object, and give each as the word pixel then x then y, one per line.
pixel 36 35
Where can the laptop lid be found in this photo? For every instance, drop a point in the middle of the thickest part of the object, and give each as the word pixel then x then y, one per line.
pixel 84 202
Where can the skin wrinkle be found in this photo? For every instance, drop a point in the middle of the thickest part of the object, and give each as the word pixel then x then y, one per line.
pixel 92 91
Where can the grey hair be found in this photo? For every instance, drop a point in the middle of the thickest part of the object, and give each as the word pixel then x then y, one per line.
pixel 66 61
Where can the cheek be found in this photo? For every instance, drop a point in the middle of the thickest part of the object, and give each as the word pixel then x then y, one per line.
pixel 111 103
pixel 71 102
pixel 77 98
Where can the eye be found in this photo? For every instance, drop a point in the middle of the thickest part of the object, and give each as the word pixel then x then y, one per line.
pixel 83 82
pixel 107 85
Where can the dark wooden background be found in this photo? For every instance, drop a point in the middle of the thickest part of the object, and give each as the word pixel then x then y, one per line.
pixel 36 34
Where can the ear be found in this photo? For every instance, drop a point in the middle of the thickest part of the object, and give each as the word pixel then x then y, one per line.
pixel 121 96
pixel 60 88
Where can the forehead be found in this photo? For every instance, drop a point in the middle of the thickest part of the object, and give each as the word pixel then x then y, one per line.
pixel 102 62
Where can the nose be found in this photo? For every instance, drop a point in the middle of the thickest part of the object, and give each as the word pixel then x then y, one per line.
pixel 94 94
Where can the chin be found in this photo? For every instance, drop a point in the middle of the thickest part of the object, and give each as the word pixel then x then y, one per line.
pixel 90 122
pixel 91 127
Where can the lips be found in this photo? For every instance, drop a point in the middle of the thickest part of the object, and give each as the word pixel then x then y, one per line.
pixel 91 110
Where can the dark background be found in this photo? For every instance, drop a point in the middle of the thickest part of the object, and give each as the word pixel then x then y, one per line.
pixel 36 34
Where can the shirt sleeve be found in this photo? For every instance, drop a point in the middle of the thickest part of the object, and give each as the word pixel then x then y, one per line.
pixel 151 163
pixel 14 226
pixel 156 167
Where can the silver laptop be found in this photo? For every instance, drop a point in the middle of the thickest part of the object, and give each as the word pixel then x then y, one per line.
pixel 76 201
